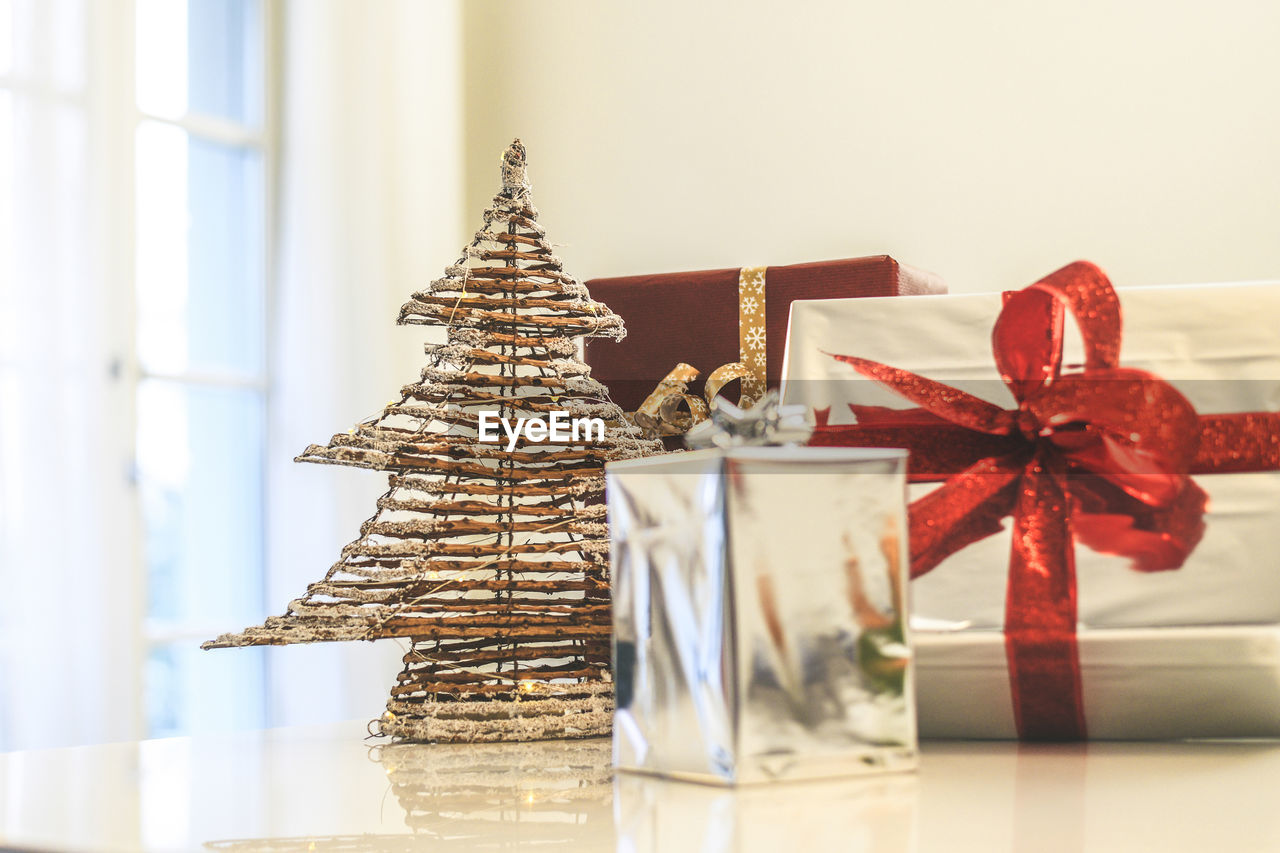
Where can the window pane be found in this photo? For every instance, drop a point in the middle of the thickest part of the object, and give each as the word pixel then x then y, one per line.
pixel 162 247
pixel 48 41
pixel 200 256
pixel 161 57
pixel 200 482
pixel 201 56
pixel 226 256
pixel 47 272
pixel 189 691
pixel 8 201
pixel 225 48
pixel 6 36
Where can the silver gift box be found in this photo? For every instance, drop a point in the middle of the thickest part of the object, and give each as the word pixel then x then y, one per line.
pixel 760 615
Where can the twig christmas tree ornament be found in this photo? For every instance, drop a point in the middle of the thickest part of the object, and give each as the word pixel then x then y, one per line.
pixel 489 551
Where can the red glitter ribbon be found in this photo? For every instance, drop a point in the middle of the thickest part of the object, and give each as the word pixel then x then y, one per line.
pixel 1102 456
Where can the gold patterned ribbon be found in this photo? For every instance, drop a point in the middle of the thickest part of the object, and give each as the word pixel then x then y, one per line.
pixel 751 332
pixel 660 412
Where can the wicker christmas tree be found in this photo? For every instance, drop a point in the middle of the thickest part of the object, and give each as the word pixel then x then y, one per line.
pixel 491 559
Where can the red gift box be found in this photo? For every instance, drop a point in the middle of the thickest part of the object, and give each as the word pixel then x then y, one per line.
pixel 694 317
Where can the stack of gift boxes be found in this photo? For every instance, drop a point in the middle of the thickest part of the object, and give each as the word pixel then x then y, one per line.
pixel 1092 494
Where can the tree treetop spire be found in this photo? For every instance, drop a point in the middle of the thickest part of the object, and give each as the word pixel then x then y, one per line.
pixel 514 181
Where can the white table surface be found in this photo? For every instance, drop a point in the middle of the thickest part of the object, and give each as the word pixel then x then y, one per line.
pixel 327 788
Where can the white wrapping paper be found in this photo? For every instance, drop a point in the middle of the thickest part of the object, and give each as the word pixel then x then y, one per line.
pixel 1219 345
pixel 1138 683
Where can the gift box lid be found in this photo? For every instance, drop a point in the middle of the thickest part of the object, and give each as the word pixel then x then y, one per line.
pixel 697 461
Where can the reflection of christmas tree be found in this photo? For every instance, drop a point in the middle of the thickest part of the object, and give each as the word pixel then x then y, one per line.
pixel 494 562
pixel 322 844
pixel 555 796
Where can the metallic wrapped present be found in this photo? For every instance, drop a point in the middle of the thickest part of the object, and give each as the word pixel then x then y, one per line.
pixel 759 614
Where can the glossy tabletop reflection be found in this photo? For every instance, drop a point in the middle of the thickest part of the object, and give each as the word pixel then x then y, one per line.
pixel 328 788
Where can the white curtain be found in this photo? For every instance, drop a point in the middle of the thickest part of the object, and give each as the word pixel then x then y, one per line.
pixel 370 196
pixel 70 609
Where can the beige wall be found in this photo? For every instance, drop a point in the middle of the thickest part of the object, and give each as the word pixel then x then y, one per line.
pixel 989 142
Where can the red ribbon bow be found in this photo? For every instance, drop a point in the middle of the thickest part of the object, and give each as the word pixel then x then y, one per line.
pixel 1102 456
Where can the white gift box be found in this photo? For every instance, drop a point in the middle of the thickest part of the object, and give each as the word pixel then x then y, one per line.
pixel 1219 345
pixel 1139 683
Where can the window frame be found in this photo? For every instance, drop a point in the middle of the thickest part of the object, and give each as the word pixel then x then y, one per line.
pixel 153 634
pixel 105 100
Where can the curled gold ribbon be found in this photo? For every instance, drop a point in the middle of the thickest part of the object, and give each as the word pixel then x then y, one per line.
pixel 660 413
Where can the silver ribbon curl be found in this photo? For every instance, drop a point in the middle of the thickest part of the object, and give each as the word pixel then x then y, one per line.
pixel 766 423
